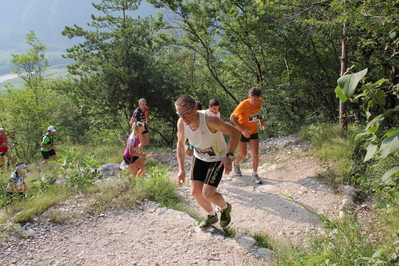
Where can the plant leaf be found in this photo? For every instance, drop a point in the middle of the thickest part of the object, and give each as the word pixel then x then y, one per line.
pixel 348 83
pixel 391 132
pixel 375 122
pixel 371 149
pixel 390 145
pixel 340 95
pixel 373 129
pixel 362 134
pixel 378 82
pixel 390 111
pixel 379 98
pixel 389 173
pixel 394 192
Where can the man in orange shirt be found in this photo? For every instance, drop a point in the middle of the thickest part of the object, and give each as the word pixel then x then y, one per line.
pixel 246 117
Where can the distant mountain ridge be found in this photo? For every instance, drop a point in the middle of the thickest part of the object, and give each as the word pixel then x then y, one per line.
pixel 47 18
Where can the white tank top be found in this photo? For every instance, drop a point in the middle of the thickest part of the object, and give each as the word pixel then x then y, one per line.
pixel 209 147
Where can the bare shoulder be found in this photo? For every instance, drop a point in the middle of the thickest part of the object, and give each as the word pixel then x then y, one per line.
pixel 180 124
pixel 215 123
pixel 212 119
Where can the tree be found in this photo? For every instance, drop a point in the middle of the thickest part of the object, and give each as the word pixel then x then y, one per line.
pixel 116 65
pixel 32 65
pixel 243 45
pixel 26 113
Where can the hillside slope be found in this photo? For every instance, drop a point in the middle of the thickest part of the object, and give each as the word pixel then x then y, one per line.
pixel 151 235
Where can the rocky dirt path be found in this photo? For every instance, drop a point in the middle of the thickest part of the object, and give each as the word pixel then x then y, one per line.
pixel 151 235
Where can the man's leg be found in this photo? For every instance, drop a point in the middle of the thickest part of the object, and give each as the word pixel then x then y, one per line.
pixel 206 195
pixel 196 190
pixel 1 160
pixel 144 140
pixel 254 145
pixel 54 157
pixel 45 161
pixel 211 195
pixel 9 158
pixel 242 153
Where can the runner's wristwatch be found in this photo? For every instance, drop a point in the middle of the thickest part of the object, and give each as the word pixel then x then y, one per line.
pixel 230 156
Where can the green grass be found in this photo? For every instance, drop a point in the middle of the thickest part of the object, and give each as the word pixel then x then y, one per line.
pixel 331 146
pixel 120 193
pixel 345 241
pixel 37 206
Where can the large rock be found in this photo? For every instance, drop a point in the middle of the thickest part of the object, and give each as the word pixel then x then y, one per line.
pixel 109 170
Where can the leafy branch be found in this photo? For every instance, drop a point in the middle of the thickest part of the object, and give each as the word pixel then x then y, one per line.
pixel 370 96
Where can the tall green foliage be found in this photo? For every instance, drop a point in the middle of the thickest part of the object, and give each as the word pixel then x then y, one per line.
pixel 381 133
pixel 291 49
pixel 116 66
pixel 31 65
pixel 27 113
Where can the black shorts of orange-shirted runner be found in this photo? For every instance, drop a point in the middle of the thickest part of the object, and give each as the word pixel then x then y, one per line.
pixel 253 136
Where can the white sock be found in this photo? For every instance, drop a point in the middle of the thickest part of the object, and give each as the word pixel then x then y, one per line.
pixel 225 206
pixel 213 213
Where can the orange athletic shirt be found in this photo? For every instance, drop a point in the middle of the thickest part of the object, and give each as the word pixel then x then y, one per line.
pixel 248 115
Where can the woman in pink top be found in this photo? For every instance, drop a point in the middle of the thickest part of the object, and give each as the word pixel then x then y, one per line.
pixel 131 155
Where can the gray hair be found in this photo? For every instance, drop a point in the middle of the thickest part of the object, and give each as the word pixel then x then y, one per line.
pixel 185 100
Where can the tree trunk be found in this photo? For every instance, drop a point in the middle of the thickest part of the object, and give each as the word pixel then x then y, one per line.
pixel 344 66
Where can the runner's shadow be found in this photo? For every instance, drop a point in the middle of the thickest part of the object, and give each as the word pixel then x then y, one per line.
pixel 256 199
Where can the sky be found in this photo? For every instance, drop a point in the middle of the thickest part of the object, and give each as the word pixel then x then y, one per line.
pixel 47 18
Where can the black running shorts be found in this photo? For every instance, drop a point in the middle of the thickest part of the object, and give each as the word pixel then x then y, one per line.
pixel 130 160
pixel 48 154
pixel 146 129
pixel 207 172
pixel 253 136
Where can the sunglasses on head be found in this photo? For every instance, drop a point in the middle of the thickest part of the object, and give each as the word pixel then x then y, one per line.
pixel 182 113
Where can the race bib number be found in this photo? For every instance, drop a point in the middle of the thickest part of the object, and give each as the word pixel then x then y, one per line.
pixel 208 152
pixel 254 117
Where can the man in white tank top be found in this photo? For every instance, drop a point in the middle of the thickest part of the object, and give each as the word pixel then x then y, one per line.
pixel 211 156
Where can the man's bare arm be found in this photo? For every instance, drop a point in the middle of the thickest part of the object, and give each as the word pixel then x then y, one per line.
pixel 243 130
pixel 180 152
pixel 216 124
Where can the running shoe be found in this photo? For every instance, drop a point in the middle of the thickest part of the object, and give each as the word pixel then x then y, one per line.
pixel 210 219
pixel 256 178
pixel 237 170
pixel 225 217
